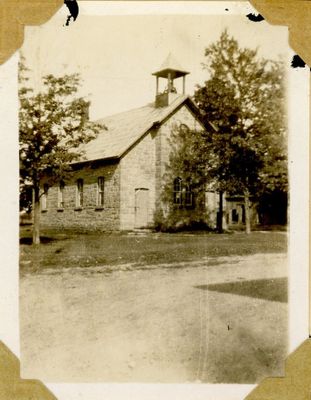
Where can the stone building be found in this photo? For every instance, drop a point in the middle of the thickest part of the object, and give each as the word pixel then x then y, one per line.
pixel 119 183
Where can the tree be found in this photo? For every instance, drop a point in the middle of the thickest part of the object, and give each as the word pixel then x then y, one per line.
pixel 182 201
pixel 53 124
pixel 244 99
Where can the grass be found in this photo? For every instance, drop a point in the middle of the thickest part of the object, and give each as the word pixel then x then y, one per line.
pixel 72 249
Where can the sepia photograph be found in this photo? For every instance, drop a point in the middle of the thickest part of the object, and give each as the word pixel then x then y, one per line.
pixel 154 198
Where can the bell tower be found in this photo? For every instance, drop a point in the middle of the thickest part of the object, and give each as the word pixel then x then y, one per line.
pixel 170 71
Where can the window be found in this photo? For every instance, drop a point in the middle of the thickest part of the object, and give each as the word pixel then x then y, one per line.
pixel 177 191
pixel 184 128
pixel 79 198
pixel 182 193
pixel 234 216
pixel 44 198
pixel 188 194
pixel 60 201
pixel 100 191
pixel 243 213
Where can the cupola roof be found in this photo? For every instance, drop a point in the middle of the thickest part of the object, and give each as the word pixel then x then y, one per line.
pixel 170 67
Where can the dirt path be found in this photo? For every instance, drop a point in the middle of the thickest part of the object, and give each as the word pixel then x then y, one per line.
pixel 218 320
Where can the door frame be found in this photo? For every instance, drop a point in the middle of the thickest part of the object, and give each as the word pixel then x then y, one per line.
pixel 136 191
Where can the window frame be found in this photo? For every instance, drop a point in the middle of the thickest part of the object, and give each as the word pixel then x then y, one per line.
pixel 177 191
pixel 235 216
pixel 100 201
pixel 79 193
pixel 60 195
pixel 184 128
pixel 182 193
pixel 44 197
pixel 188 194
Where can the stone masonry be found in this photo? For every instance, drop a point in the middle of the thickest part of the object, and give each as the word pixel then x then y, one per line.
pixel 90 216
pixel 140 168
pixel 144 165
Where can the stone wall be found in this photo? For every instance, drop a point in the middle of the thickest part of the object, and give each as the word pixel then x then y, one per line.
pixel 90 216
pixel 138 172
pixel 142 167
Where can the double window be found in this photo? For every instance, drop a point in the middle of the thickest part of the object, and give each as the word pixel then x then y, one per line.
pixel 182 192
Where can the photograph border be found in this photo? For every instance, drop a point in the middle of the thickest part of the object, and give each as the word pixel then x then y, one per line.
pixel 294 14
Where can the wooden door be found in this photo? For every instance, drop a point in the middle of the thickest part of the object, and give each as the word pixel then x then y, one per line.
pixel 141 207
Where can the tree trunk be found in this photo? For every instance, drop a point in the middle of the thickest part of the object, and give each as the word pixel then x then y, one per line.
pixel 220 214
pixel 247 212
pixel 36 216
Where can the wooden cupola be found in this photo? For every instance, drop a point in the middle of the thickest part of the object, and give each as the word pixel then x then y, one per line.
pixel 170 71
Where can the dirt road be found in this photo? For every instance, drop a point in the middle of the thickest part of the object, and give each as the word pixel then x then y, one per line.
pixel 218 320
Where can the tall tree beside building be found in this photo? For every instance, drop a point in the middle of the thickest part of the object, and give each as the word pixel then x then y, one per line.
pixel 53 123
pixel 244 99
pixel 182 197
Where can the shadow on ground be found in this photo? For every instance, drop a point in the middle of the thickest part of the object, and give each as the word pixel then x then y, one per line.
pixel 43 240
pixel 267 289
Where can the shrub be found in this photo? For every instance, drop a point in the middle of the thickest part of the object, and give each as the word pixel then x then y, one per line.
pixel 178 220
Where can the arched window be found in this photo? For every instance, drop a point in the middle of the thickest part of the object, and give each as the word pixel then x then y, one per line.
pixel 184 128
pixel 177 191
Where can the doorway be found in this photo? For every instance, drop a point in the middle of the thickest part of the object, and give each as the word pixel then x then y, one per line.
pixel 141 207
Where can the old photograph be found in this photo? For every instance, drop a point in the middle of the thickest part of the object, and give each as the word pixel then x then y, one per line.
pixel 154 199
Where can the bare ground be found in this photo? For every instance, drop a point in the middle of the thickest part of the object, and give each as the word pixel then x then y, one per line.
pixel 221 319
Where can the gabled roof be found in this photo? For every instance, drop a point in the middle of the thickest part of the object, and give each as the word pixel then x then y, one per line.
pixel 126 128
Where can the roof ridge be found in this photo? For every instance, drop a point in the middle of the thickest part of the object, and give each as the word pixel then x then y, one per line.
pixel 123 112
pixel 125 129
pixel 151 104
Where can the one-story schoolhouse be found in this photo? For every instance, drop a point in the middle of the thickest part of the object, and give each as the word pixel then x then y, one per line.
pixel 118 184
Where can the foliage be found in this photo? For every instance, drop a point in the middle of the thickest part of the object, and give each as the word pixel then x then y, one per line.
pixel 53 124
pixel 243 151
pixel 244 98
pixel 184 164
pixel 25 197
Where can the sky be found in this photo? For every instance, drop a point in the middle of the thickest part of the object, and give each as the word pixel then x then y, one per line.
pixel 116 54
